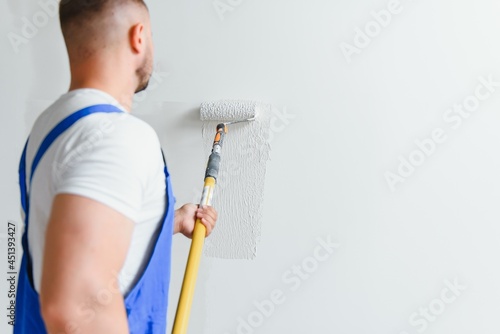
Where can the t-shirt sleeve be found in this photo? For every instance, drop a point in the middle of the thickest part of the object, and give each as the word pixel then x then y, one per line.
pixel 111 167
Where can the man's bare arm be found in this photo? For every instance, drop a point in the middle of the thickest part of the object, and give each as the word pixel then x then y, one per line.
pixel 85 247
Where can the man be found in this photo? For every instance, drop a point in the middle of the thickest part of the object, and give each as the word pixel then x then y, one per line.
pixel 95 188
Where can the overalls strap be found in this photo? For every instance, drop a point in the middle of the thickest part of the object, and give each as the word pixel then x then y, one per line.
pixel 47 141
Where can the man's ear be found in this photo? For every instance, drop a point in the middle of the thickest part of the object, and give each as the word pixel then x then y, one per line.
pixel 137 38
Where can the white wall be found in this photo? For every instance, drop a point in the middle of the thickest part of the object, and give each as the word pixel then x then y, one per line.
pixel 399 250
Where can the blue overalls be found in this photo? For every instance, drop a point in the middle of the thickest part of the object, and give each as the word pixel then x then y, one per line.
pixel 146 303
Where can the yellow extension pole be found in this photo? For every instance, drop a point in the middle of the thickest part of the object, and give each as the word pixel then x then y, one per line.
pixel 189 283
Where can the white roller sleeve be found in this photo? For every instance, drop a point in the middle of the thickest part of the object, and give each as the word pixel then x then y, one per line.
pixel 228 110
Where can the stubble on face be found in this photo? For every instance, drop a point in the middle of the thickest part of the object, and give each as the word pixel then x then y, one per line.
pixel 144 72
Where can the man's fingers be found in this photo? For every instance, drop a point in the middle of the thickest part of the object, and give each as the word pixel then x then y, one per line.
pixel 208 226
pixel 208 217
pixel 207 212
pixel 210 213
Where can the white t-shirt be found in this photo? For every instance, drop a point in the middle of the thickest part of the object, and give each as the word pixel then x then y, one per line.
pixel 113 158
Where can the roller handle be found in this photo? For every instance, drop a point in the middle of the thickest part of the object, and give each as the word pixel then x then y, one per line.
pixel 214 158
pixel 189 283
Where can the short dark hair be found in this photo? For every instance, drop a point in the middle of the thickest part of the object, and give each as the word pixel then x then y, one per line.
pixel 79 11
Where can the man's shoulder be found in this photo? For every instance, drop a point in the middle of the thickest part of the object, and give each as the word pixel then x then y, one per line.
pixel 117 130
pixel 121 133
pixel 120 125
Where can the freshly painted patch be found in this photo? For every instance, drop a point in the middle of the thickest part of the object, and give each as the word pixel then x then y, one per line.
pixel 239 193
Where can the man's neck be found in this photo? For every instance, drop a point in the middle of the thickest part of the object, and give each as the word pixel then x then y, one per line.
pixel 103 78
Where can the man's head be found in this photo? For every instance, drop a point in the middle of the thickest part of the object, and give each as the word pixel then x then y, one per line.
pixel 105 30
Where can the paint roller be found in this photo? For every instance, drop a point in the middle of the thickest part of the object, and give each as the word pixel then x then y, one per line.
pixel 228 112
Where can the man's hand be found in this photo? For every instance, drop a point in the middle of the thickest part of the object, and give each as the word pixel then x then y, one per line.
pixel 185 218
